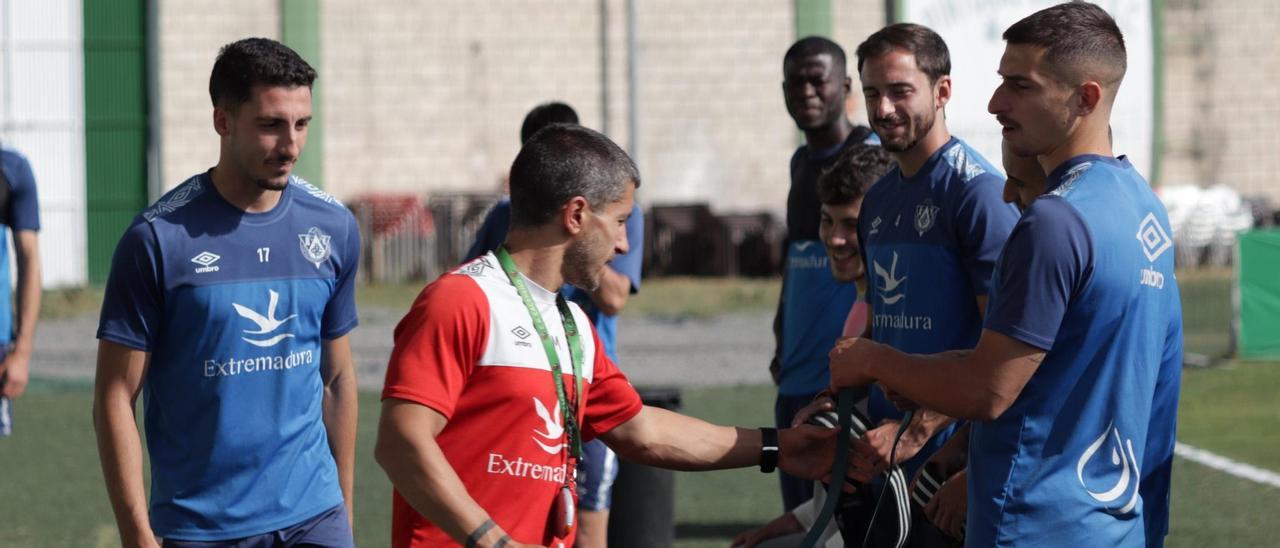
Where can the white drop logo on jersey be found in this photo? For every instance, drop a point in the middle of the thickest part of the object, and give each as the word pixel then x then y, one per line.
pixel 1121 456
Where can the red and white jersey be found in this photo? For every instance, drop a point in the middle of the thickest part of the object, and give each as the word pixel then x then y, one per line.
pixel 468 349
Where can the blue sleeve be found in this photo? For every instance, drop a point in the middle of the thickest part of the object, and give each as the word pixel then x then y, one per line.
pixel 24 207
pixel 982 224
pixel 134 298
pixel 629 264
pixel 1046 260
pixel 340 313
pixel 1157 466
pixel 492 232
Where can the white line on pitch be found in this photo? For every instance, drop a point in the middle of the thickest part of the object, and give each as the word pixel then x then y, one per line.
pixel 1224 464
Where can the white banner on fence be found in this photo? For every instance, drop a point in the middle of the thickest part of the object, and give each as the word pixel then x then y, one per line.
pixel 972 30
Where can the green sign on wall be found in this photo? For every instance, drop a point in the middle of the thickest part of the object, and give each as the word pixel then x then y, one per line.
pixel 1258 299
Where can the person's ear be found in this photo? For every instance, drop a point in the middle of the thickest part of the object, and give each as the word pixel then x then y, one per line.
pixel 1088 97
pixel 573 215
pixel 222 120
pixel 942 90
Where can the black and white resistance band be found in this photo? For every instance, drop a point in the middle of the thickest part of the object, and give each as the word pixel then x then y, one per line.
pixel 851 424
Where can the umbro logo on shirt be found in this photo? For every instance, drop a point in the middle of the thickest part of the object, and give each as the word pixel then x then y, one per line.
pixel 206 259
pixel 522 333
pixel 1155 241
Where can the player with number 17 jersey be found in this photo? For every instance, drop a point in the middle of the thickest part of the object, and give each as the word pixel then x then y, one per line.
pixel 233 307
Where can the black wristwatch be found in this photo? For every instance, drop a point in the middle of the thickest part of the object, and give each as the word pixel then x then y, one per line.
pixel 768 449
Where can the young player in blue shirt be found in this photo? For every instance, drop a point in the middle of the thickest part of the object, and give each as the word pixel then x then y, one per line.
pixel 20 212
pixel 1073 384
pixel 228 308
pixel 812 305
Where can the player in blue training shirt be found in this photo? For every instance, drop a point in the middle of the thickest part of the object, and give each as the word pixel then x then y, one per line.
pixel 931 231
pixel 228 307
pixel 599 465
pixel 20 211
pixel 812 306
pixel 1073 386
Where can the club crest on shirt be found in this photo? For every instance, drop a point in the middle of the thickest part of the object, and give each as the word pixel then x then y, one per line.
pixel 314 246
pixel 926 213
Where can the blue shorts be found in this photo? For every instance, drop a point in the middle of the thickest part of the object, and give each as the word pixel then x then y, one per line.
pixel 329 529
pixel 596 472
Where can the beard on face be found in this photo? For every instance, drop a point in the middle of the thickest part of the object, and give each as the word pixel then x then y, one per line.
pixel 268 184
pixel 578 267
pixel 917 128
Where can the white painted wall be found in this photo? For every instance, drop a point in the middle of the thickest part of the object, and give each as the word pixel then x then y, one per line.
pixel 42 116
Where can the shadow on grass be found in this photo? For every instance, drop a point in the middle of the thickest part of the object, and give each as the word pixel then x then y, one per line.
pixel 725 529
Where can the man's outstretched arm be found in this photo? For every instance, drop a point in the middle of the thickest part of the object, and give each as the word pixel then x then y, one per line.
pixel 665 439
pixel 118 380
pixel 977 386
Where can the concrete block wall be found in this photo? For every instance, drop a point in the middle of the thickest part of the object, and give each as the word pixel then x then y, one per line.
pixel 190 34
pixel 429 97
pixel 1222 108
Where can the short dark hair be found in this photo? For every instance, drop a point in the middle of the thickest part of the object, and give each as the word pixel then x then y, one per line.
pixel 811 46
pixel 255 61
pixel 858 167
pixel 544 115
pixel 563 161
pixel 931 53
pixel 1081 41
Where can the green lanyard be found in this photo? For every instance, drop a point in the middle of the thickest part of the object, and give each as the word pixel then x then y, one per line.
pixel 570 413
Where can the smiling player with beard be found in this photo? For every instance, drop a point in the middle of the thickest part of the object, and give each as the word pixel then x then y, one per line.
pixel 930 232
